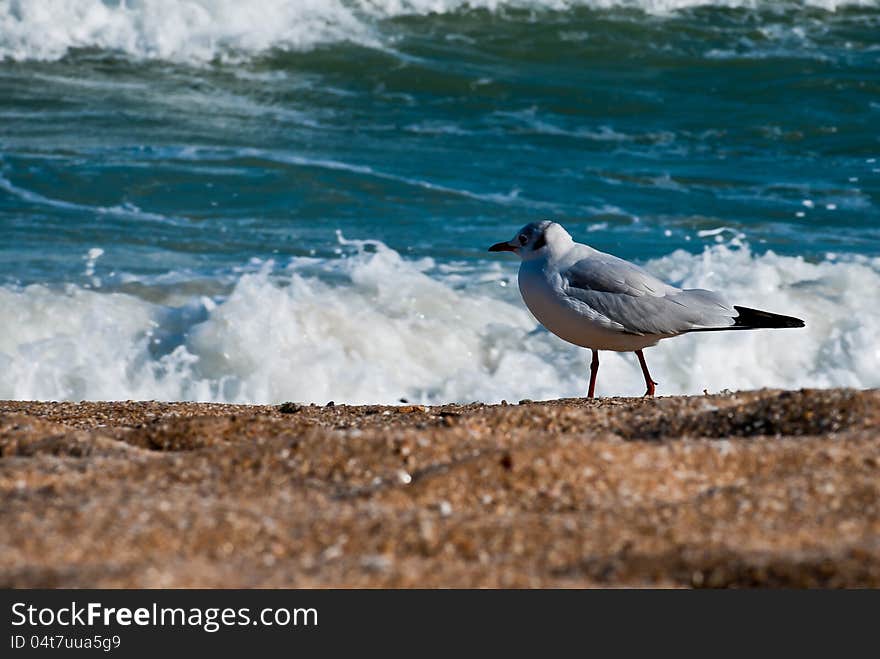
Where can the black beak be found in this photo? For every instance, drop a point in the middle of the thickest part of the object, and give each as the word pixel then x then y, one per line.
pixel 502 247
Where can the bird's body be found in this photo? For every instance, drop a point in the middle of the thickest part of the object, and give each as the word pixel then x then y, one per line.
pixel 601 302
pixel 546 291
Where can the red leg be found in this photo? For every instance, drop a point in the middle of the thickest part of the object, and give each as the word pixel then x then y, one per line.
pixel 594 370
pixel 648 381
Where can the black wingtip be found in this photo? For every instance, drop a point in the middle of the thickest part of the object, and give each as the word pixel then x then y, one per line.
pixel 754 318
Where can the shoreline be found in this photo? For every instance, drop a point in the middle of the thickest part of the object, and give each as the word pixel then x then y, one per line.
pixel 760 488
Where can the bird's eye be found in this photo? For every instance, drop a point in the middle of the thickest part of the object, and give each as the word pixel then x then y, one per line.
pixel 522 239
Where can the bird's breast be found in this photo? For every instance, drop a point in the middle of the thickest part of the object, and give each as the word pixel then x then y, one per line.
pixel 541 292
pixel 544 296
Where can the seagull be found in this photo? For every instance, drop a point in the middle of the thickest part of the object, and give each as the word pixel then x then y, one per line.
pixel 601 302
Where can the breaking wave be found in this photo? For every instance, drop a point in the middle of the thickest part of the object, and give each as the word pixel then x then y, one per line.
pixel 204 30
pixel 374 327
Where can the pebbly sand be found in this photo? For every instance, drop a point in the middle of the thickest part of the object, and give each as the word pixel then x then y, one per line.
pixel 767 488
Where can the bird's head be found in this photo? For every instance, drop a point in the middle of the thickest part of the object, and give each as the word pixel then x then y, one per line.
pixel 534 240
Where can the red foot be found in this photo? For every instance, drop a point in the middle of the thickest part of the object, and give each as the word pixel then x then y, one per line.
pixel 649 382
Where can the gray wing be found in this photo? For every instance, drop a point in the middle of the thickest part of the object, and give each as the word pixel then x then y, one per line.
pixel 628 299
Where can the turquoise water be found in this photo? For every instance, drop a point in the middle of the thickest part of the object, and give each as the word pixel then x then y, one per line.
pixel 265 201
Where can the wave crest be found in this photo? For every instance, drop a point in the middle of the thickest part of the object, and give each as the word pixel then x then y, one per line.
pixel 204 30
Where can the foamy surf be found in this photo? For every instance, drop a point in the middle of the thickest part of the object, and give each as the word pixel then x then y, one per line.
pixel 374 327
pixel 204 30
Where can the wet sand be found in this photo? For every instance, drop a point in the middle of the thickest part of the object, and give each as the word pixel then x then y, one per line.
pixel 767 488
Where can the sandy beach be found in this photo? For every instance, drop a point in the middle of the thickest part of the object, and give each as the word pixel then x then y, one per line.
pixel 767 488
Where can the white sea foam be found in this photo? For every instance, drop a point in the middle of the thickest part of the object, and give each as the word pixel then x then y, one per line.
pixel 202 30
pixel 183 30
pixel 375 327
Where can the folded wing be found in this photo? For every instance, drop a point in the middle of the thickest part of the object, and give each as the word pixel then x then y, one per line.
pixel 626 298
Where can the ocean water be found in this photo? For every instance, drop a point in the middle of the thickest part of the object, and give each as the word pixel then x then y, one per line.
pixel 269 200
